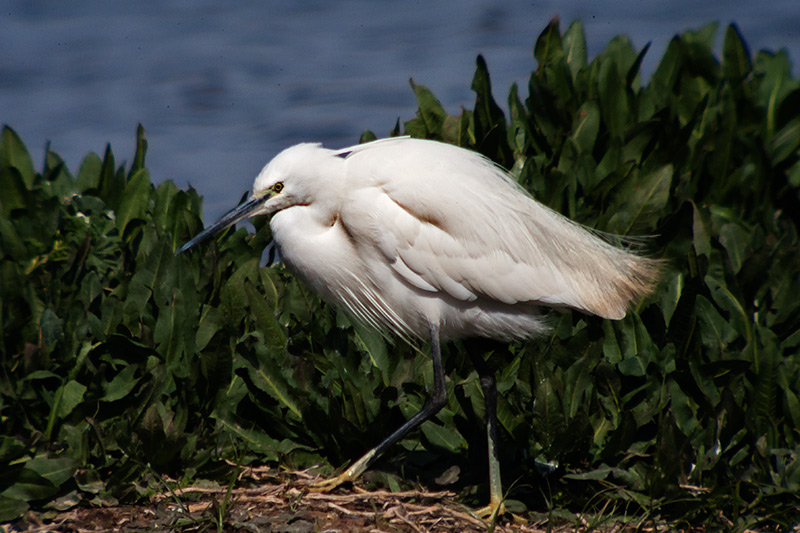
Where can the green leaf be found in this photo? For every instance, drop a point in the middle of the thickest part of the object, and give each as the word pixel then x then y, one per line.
pixel 580 386
pixel 430 113
pixel 597 474
pixel 89 174
pixel 632 366
pixel 792 404
pixel 574 44
pixel 268 378
pixel 29 485
pixel 776 84
pixel 715 332
pixel 671 296
pixel 702 231
pixel 13 245
pixel 459 130
pixel 633 72
pixel 15 194
pixel 443 436
pixel 793 175
pixel 170 332
pixel 726 300
pixel 57 178
pixel 72 396
pixel 666 74
pixel 683 409
pixel 211 322
pixel 255 440
pixel 549 48
pixel 736 57
pixel 141 151
pixel 488 119
pixel 13 154
pixel 51 327
pixel 135 199
pixel 57 470
pixel 702 41
pixel 12 508
pixel 373 343
pixel 111 182
pixel 786 142
pixel 122 384
pixel 642 201
pixel 367 136
pixel 613 89
pixel 766 359
pixel 10 448
pixel 735 239
pixel 585 126
pixel 265 319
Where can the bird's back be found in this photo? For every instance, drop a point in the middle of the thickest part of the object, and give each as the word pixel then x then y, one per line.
pixel 460 233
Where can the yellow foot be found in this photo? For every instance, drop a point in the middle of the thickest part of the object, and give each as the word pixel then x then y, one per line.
pixel 351 474
pixel 491 511
pixel 327 485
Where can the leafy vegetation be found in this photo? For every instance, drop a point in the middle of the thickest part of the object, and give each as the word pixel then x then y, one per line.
pixel 122 362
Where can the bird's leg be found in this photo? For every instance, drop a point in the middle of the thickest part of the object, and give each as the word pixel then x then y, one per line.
pixel 432 406
pixel 489 386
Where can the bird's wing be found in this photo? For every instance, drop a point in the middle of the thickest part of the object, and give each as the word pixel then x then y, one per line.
pixel 452 222
pixel 467 259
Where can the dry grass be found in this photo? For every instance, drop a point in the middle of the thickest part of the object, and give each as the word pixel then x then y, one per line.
pixel 281 502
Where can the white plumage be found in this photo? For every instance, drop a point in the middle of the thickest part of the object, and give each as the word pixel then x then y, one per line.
pixel 425 239
pixel 405 232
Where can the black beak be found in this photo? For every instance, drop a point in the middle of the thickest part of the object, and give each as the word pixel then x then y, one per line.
pixel 230 218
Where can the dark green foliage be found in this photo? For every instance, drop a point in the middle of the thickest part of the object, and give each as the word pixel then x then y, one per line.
pixel 121 360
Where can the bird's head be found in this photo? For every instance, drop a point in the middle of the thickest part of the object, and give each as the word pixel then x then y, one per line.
pixel 292 178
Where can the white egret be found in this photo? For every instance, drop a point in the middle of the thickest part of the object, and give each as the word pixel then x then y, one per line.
pixel 428 240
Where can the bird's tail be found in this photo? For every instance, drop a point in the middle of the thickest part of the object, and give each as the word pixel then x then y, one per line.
pixel 623 278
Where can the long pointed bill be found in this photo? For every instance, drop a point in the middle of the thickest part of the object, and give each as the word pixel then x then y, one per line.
pixel 230 218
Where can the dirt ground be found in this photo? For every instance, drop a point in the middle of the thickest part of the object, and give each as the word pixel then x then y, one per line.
pixel 283 504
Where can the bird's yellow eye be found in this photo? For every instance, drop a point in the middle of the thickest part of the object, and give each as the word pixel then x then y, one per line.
pixel 278 187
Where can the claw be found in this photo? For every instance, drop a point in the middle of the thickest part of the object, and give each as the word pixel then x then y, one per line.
pixel 349 475
pixel 491 512
pixel 327 485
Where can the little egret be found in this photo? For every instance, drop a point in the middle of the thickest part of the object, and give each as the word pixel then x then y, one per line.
pixel 428 240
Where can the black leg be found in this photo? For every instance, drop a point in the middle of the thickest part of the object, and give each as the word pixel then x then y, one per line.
pixel 489 386
pixel 434 404
pixel 437 400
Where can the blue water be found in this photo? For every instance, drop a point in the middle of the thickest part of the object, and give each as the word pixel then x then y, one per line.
pixel 221 88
